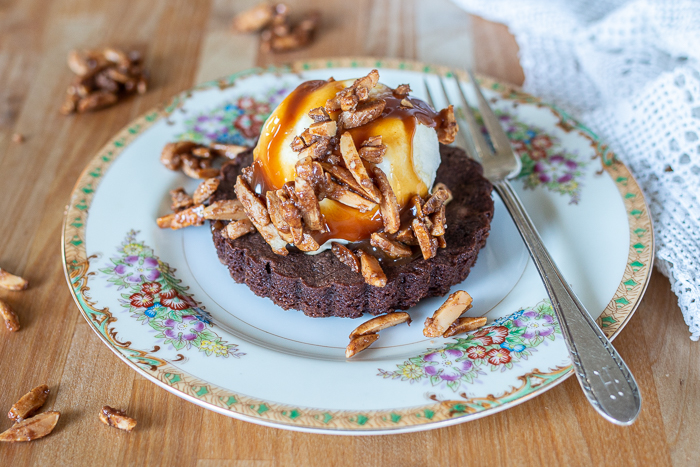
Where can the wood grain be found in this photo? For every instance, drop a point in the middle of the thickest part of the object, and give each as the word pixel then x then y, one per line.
pixel 188 42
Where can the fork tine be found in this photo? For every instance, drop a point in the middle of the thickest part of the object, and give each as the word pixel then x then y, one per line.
pixel 480 144
pixel 498 136
pixel 427 93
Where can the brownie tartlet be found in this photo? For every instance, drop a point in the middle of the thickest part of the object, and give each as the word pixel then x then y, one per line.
pixel 321 286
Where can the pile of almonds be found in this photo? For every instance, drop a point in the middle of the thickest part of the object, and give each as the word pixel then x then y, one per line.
pixel 445 322
pixel 103 77
pixel 277 32
pixel 195 160
pixel 329 166
pixel 291 214
pixel 15 283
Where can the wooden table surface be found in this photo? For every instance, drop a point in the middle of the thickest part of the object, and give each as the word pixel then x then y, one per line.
pixel 187 42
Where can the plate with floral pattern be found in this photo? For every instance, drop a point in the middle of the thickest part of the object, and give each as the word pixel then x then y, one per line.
pixel 165 305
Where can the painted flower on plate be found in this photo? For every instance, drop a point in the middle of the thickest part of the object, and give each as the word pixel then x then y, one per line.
pixel 476 352
pixel 214 347
pixel 558 169
pixel 444 364
pixel 498 356
pixel 535 326
pixel 186 329
pixel 173 300
pixel 135 268
pixel 151 288
pixel 141 300
pixel 491 335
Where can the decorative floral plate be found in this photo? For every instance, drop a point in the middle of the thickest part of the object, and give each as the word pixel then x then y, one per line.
pixel 162 301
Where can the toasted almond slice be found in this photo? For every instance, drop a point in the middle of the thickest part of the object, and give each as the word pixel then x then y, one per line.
pixel 11 282
pixel 28 404
pixel 188 217
pixel 390 247
pixel 229 151
pixel 345 196
pixel 297 144
pixel 291 215
pixel 254 208
pixel 307 137
pixel 326 128
pixel 199 173
pixel 438 220
pixel 238 228
pixel 307 202
pixel 372 141
pixel 375 325
pixel 180 199
pixel 405 236
pixel 116 418
pixel 463 325
pixel 428 246
pixel 203 152
pixel 406 103
pixel 9 315
pixel 307 243
pixel 436 201
pixel 357 168
pixel 388 204
pixel 274 207
pixel 447 130
pixel 442 186
pixel 371 270
pixel 258 214
pixel 164 222
pixel 205 190
pixel 363 114
pixel 402 90
pixel 441 241
pixel 31 428
pixel 455 305
pixel 344 176
pixel 225 210
pixel 374 154
pixel 254 18
pixel 346 256
pixel 319 114
pixel 416 206
pixel 359 344
pixel 170 156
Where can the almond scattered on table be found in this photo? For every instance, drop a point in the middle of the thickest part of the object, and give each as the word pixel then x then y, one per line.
pixel 9 315
pixel 11 282
pixel 29 403
pixel 116 418
pixel 31 428
pixel 278 34
pixel 103 77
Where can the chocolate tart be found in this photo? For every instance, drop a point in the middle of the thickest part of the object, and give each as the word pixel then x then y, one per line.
pixel 321 286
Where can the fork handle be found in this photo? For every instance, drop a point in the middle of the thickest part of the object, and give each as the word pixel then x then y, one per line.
pixel 606 381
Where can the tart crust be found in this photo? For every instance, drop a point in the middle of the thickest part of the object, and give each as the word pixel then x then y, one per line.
pixel 321 286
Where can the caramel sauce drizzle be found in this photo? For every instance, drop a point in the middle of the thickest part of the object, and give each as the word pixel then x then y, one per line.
pixel 271 171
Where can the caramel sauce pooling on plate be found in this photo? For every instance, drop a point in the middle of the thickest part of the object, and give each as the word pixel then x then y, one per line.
pixel 275 161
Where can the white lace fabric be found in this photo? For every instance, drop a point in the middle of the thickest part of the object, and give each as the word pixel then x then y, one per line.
pixel 630 70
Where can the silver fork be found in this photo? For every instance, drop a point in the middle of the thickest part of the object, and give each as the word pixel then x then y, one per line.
pixel 604 377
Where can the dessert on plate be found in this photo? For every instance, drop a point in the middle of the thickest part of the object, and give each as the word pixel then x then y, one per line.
pixel 351 202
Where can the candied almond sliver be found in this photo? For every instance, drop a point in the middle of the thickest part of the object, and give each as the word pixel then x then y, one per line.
pixel 359 344
pixel 455 305
pixel 32 428
pixel 11 282
pixel 29 403
pixel 379 323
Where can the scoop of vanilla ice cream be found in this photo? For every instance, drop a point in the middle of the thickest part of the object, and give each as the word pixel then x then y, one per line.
pixel 412 152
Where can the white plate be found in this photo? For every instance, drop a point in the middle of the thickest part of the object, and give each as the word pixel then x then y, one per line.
pixel 162 301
